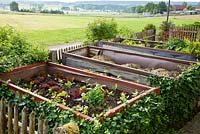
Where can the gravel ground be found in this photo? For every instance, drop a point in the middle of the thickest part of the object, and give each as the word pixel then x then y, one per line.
pixel 192 127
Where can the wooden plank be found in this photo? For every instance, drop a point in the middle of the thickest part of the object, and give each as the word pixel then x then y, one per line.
pixel 45 126
pixel 10 116
pixel 40 125
pixel 32 123
pixel 84 64
pixel 24 121
pixel 2 117
pixel 16 119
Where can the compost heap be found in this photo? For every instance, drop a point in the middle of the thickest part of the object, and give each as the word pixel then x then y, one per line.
pixel 103 58
pixel 158 71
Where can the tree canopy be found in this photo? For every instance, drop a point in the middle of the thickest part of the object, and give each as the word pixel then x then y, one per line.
pixel 14 6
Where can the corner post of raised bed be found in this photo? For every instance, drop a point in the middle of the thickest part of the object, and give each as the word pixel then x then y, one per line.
pixel 53 55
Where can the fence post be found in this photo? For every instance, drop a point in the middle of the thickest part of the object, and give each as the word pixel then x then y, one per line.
pixel 2 117
pixel 24 121
pixel 40 125
pixel 45 127
pixel 16 119
pixel 32 123
pixel 10 113
pixel 198 35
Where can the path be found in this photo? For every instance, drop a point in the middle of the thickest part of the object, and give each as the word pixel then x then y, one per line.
pixel 192 127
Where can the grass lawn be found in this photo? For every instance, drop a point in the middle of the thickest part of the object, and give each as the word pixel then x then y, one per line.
pixel 56 29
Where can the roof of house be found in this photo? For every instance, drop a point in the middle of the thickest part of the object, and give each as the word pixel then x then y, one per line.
pixel 179 7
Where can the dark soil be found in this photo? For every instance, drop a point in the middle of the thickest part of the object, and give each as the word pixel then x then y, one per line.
pixel 57 88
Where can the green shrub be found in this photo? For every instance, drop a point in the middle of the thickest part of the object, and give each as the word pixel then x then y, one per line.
pixel 194 48
pixel 102 29
pixel 125 32
pixel 150 27
pixel 164 28
pixel 176 44
pixel 16 51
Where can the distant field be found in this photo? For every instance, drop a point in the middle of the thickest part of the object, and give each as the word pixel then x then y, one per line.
pixel 52 29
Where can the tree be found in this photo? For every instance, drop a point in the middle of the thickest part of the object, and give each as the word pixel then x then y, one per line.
pixel 190 7
pixel 151 7
pixel 184 4
pixel 14 6
pixel 140 9
pixel 102 29
pixel 162 7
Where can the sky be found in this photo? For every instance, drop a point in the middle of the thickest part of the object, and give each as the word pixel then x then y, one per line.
pixel 122 0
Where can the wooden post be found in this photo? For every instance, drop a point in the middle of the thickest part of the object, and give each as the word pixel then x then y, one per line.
pixel 24 121
pixel 54 129
pixel 16 119
pixel 32 123
pixel 10 113
pixel 45 127
pixel 40 125
pixel 2 117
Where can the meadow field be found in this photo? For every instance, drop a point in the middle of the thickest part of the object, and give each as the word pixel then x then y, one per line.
pixel 56 29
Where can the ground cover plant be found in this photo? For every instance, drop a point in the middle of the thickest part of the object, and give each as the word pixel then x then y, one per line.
pixel 90 99
pixel 151 115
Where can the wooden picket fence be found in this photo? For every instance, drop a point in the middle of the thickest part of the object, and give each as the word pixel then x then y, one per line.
pixel 56 51
pixel 191 33
pixel 146 35
pixel 10 124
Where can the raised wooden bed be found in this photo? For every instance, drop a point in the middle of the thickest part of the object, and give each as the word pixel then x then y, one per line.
pixel 81 58
pixel 147 50
pixel 45 69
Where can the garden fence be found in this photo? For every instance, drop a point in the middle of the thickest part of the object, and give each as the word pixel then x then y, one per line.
pixel 10 124
pixel 56 52
pixel 191 33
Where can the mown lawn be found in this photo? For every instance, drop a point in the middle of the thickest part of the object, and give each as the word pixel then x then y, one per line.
pixel 56 29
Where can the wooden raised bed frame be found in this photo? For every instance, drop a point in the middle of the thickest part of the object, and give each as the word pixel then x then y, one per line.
pixel 26 72
pixel 79 58
pixel 148 50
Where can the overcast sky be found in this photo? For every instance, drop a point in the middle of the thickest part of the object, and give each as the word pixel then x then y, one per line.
pixel 125 0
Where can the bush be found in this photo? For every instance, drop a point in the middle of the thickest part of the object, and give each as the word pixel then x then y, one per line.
pixel 164 28
pixel 101 29
pixel 176 44
pixel 149 27
pixel 16 51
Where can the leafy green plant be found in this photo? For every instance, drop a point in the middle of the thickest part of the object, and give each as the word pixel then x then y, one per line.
pixel 16 51
pixel 194 48
pixel 150 27
pixel 94 97
pixel 68 84
pixel 101 29
pixel 176 44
